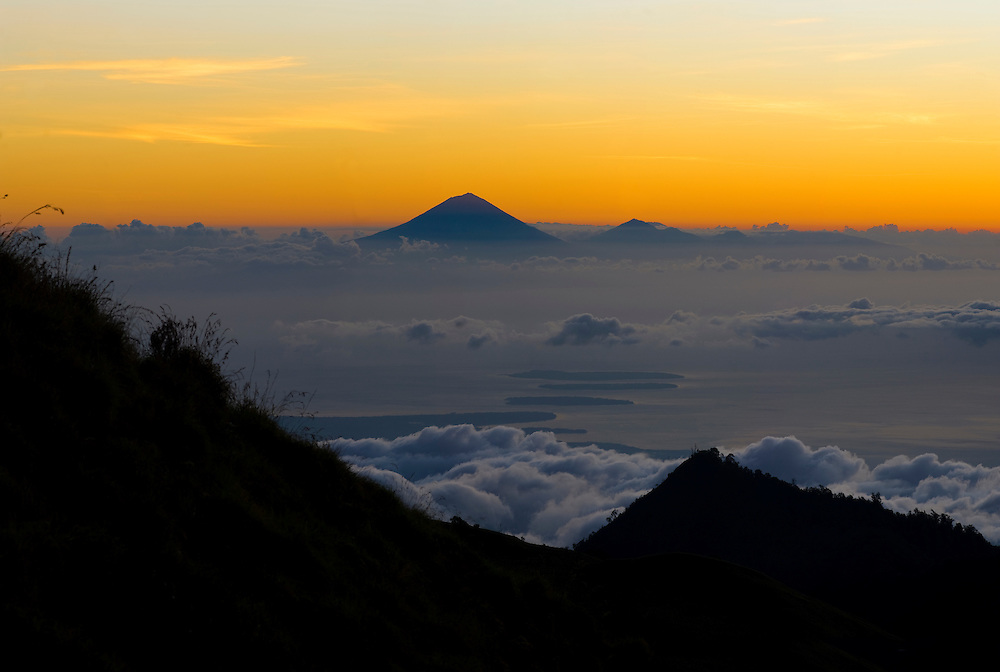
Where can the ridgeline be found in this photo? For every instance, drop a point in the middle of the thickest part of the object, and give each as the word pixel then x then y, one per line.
pixel 919 574
pixel 154 515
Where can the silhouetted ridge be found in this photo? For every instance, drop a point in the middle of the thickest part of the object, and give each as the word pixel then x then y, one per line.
pixel 463 219
pixel 730 238
pixel 827 238
pixel 850 551
pixel 636 231
pixel 713 506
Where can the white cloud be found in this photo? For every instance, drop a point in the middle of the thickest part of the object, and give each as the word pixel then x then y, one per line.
pixel 585 329
pixel 976 321
pixel 789 459
pixel 528 485
pixel 969 494
pixel 533 486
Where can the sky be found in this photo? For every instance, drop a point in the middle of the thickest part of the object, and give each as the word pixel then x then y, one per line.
pixel 318 114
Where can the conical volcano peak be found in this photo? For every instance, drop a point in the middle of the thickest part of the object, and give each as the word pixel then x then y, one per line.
pixel 465 219
pixel 639 232
pixel 636 224
pixel 466 203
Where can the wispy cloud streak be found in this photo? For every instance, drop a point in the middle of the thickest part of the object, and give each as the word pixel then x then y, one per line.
pixel 162 70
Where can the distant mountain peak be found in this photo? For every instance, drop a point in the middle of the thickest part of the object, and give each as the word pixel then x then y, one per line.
pixel 466 203
pixel 636 224
pixel 466 219
pixel 467 197
pixel 638 232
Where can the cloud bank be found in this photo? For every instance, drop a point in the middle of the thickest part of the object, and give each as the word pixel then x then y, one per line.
pixel 975 322
pixel 921 261
pixel 541 489
pixel 467 332
pixel 585 329
pixel 528 485
pixel 969 494
pixel 136 237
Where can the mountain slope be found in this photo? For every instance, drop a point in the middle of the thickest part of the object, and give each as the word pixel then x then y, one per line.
pixel 638 232
pixel 713 506
pixel 899 570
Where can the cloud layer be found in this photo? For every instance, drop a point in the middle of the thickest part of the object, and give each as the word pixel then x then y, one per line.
pixel 975 322
pixel 969 494
pixel 541 489
pixel 921 261
pixel 585 329
pixel 528 485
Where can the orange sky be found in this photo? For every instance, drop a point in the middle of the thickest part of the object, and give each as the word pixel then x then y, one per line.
pixel 357 114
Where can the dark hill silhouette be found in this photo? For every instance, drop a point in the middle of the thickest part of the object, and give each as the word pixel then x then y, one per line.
pixel 791 244
pixel 465 219
pixel 638 232
pixel 831 238
pixel 894 568
pixel 644 240
pixel 712 506
pixel 152 513
pixel 730 238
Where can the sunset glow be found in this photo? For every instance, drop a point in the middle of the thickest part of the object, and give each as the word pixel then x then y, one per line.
pixel 814 114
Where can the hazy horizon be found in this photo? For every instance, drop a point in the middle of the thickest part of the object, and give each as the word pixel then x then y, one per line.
pixel 58 231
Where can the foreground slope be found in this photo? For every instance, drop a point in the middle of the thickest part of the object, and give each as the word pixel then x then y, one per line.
pixel 151 514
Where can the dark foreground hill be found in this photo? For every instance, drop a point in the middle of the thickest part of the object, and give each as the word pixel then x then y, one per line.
pixel 920 574
pixel 154 516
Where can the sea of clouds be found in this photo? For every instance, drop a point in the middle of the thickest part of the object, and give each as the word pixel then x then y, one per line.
pixel 540 489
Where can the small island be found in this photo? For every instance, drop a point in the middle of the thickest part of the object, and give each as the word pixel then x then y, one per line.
pixel 566 401
pixel 549 374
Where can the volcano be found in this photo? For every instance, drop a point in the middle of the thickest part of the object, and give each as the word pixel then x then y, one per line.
pixel 465 219
pixel 638 232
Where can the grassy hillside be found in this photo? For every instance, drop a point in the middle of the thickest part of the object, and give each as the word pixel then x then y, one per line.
pixel 152 514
